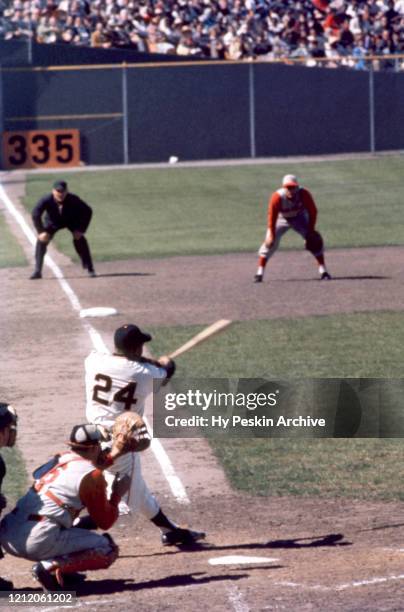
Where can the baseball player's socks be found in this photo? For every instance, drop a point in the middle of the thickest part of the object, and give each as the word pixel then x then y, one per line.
pixel 323 272
pixel 262 262
pixel 163 522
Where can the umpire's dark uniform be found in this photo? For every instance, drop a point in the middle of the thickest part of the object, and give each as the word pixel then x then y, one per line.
pixel 51 215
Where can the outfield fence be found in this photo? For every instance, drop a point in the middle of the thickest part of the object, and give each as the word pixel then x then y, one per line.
pixel 134 113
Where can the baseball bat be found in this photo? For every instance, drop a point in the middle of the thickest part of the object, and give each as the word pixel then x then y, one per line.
pixel 206 333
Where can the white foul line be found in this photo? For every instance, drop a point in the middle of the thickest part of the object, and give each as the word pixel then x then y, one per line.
pixel 167 468
pixel 344 586
pixel 236 599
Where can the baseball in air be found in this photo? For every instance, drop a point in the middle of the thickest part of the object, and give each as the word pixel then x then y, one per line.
pixel 173 159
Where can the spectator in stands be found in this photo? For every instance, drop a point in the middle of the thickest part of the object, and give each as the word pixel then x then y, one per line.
pixel 99 38
pixel 217 29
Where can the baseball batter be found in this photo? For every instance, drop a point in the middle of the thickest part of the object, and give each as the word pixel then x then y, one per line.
pixel 122 381
pixel 291 206
pixel 56 211
pixel 40 527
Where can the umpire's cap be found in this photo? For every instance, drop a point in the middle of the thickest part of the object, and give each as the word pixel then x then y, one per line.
pixel 84 436
pixel 8 415
pixel 60 186
pixel 129 336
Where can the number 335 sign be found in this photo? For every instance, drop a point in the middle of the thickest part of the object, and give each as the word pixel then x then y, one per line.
pixel 41 149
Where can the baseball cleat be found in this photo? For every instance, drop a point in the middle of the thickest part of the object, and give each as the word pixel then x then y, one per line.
pixel 47 580
pixel 35 275
pixel 92 273
pixel 179 536
pixel 258 278
pixel 325 276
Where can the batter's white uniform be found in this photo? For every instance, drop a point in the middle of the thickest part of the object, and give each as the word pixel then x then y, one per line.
pixel 115 384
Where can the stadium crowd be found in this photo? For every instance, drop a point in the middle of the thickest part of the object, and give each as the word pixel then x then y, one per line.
pixel 310 31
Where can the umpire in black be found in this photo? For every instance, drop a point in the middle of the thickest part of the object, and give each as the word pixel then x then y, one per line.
pixel 56 211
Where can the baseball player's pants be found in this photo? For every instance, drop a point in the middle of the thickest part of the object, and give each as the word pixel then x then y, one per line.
pixel 300 224
pixel 81 247
pixel 138 498
pixel 47 540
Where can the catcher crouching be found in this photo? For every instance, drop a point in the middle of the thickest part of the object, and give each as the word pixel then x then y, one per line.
pixel 40 528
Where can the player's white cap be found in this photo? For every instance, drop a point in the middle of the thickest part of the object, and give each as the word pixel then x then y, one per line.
pixel 290 180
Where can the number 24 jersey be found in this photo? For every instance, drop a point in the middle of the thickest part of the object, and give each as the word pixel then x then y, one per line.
pixel 115 384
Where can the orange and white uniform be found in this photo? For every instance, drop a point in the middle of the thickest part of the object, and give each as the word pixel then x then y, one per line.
pixel 298 212
pixel 291 206
pixel 40 526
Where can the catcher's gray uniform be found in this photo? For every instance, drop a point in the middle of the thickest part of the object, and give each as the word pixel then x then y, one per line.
pixel 40 526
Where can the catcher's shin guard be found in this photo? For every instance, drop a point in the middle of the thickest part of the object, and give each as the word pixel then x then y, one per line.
pixel 90 559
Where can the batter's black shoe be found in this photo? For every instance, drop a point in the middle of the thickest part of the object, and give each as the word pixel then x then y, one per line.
pixel 258 278
pixel 92 273
pixel 325 276
pixel 47 580
pixel 6 585
pixel 179 536
pixel 35 275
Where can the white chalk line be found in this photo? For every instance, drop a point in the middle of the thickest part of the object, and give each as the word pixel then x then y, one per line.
pixel 236 599
pixel 167 468
pixel 343 586
pixel 175 484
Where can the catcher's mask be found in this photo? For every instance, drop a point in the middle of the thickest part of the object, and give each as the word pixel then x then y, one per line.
pixel 128 337
pixel 8 418
pixel 84 436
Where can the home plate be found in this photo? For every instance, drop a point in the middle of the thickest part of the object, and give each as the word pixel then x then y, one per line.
pixel 240 559
pixel 98 311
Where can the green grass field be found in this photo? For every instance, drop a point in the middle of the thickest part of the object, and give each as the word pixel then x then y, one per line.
pixel 11 254
pixel 356 345
pixel 16 480
pixel 341 346
pixel 181 211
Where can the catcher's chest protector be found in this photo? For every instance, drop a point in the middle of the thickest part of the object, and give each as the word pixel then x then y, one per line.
pixel 60 485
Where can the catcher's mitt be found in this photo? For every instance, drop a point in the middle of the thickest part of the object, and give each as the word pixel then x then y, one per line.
pixel 129 433
pixel 314 242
